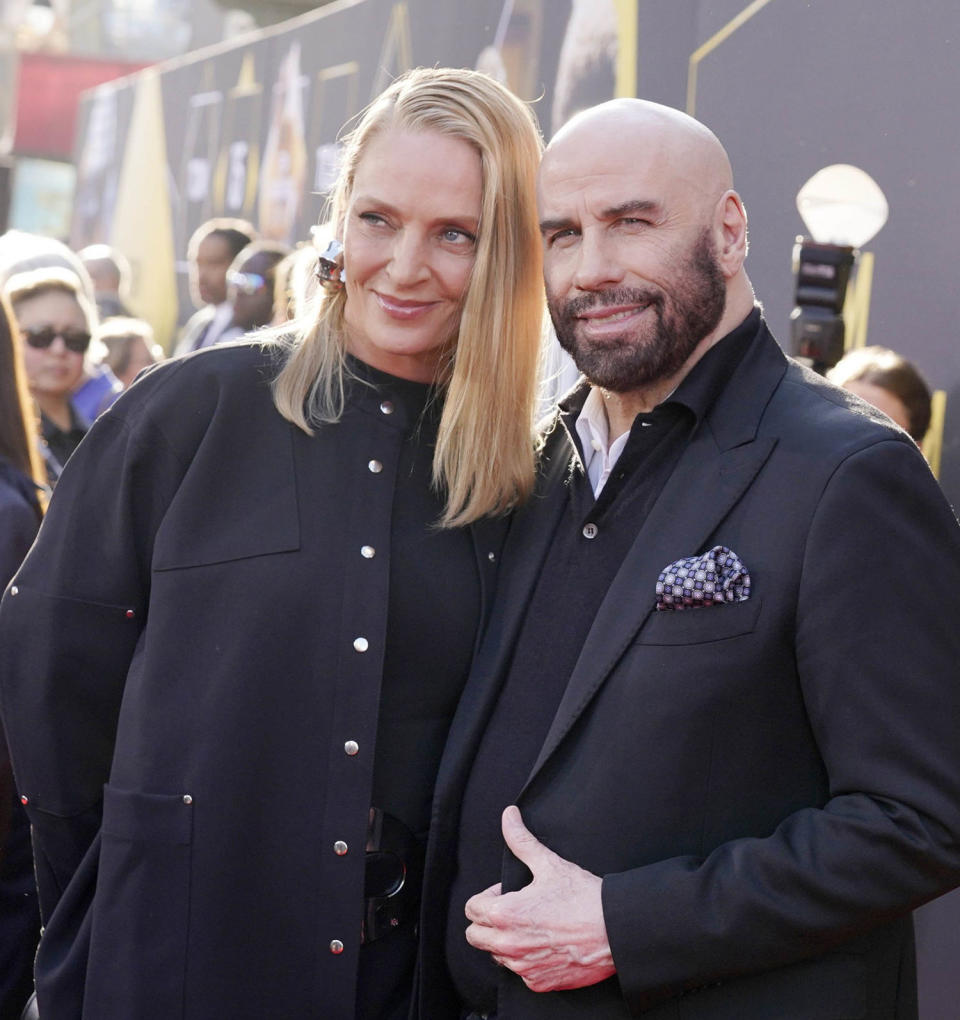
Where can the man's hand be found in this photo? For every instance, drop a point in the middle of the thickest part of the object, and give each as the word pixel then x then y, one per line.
pixel 551 933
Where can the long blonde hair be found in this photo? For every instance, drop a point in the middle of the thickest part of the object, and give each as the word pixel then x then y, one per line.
pixel 484 457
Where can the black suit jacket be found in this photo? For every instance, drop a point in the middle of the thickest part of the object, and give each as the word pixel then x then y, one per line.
pixel 768 787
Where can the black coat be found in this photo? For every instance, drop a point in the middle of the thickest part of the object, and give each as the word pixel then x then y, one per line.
pixel 19 916
pixel 768 787
pixel 19 518
pixel 180 680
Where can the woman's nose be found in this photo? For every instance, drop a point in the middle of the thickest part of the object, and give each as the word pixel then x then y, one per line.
pixel 408 259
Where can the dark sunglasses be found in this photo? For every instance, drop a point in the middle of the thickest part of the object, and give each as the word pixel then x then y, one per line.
pixel 246 283
pixel 75 340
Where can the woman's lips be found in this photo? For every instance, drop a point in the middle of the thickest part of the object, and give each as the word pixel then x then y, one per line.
pixel 398 308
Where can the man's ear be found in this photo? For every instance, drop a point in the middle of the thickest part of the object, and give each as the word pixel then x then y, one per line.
pixel 731 233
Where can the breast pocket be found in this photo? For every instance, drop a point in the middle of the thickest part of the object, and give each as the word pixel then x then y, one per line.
pixel 138 941
pixel 700 625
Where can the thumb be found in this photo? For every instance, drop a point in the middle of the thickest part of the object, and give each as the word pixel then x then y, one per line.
pixel 522 842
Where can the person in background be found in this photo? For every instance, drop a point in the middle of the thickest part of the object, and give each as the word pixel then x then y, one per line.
pixel 227 676
pixel 295 283
pixel 55 321
pixel 21 477
pixel 250 287
pixel 98 387
pixel 130 347
pixel 890 383
pixel 21 252
pixel 110 272
pixel 211 251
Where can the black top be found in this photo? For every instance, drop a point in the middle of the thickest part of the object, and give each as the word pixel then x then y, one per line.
pixel 575 576
pixel 432 614
pixel 434 606
pixel 58 443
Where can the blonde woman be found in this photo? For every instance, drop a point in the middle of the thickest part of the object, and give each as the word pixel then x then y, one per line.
pixel 260 584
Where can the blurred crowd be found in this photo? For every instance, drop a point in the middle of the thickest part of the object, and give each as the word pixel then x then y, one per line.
pixel 79 342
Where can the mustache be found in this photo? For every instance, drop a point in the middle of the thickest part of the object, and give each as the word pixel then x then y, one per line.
pixel 605 298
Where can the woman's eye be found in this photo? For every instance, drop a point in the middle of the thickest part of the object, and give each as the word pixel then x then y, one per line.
pixel 374 219
pixel 453 235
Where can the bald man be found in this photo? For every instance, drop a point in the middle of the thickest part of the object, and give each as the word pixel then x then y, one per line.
pixel 708 759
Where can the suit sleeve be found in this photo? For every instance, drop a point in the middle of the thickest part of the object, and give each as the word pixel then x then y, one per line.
pixel 69 623
pixel 877 651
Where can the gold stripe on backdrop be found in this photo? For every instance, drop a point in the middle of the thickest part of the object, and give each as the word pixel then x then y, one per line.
pixel 711 44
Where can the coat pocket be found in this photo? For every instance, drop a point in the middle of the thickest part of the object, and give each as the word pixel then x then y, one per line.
pixel 705 623
pixel 138 939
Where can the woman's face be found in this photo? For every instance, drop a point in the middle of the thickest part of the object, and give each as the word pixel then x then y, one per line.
pixel 52 371
pixel 409 247
pixel 141 356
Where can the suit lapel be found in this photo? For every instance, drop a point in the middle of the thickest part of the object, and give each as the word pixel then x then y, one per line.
pixel 713 473
pixel 677 526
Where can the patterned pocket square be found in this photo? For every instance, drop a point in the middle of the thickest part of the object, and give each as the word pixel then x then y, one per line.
pixel 715 578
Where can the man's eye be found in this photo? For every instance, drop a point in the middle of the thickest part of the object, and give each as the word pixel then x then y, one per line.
pixel 561 237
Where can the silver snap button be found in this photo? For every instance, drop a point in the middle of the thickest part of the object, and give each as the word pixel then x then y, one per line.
pixel 336 947
pixel 340 848
pixel 367 552
pixel 491 556
pixel 387 407
pixel 187 799
pixel 351 747
pixel 375 466
pixel 14 590
pixel 361 644
pixel 590 530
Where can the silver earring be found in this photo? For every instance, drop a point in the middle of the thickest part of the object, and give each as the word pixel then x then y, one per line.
pixel 330 270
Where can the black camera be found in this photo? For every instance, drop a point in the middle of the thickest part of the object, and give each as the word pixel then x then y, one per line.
pixel 822 272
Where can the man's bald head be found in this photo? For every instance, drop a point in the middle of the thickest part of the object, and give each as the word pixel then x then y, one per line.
pixel 649 137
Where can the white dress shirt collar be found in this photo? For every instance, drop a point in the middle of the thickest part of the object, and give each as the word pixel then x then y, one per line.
pixel 599 454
